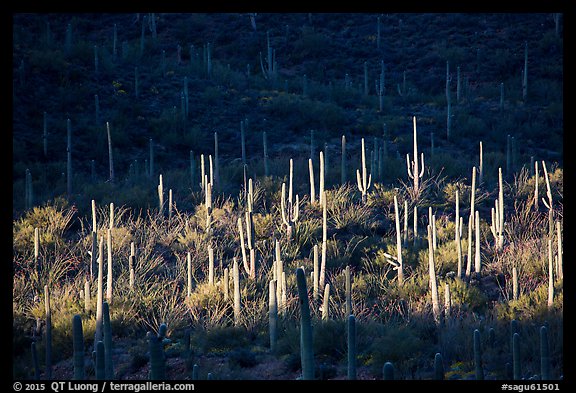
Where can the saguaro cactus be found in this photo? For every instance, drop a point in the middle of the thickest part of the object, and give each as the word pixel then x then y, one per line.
pixel 438 367
pixel 312 186
pixel 478 369
pixel 548 203
pixel 326 303
pixel 559 270
pixel 100 361
pixel 432 279
pixel 237 300
pixel 306 347
pixel 157 355
pixel 98 335
pixel 414 171
pixel 352 347
pixel 288 209
pixel 388 371
pixel 348 280
pixel 497 227
pixel 363 180
pixel 110 154
pixel 48 311
pixel 272 314
pixel 545 366
pixel 400 266
pixel 550 276
pixel 109 367
pixel 516 357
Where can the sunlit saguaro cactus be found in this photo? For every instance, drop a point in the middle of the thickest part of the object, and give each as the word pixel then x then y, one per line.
pixel 363 179
pixel 432 278
pixel 326 303
pixel 548 203
pixel 497 227
pixel 415 172
pixel 399 267
pixel 237 299
pixel 289 209
pixel 312 186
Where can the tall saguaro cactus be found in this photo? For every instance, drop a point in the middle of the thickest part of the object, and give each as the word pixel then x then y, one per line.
pixel 479 370
pixel 98 335
pixel 237 300
pixel 109 367
pixel 497 227
pixel 110 154
pixel 306 347
pixel 352 347
pixel 545 366
pixel 432 278
pixel 548 203
pixel 272 315
pixel 400 266
pixel 364 180
pixel 157 355
pixel 414 171
pixel 48 311
pixel 289 209
pixel 78 345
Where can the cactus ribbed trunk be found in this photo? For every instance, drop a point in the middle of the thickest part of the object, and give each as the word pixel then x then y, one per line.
pixel 306 347
pixel 272 314
pixel 545 366
pixel 100 361
pixel 517 369
pixel 479 371
pixel 398 243
pixel 348 280
pixel 108 367
pixel 388 371
pixel 438 367
pixel 432 279
pixel 352 347
pixel 48 311
pixel 236 278
pixel 157 355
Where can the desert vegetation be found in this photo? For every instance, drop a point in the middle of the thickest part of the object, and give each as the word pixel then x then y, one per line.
pixel 287 196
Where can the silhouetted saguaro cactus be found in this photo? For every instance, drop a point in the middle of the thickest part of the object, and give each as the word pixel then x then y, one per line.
pixel 517 369
pixel 545 366
pixel 78 347
pixel 100 361
pixel 352 347
pixel 478 368
pixel 48 311
pixel 306 347
pixel 388 371
pixel 157 355
pixel 109 367
pixel 438 367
